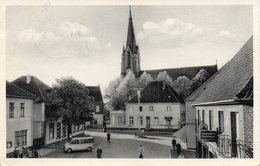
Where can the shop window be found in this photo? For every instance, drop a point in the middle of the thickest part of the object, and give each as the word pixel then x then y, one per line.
pixel 20 138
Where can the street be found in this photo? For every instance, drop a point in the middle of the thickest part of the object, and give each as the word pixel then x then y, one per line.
pixel 121 148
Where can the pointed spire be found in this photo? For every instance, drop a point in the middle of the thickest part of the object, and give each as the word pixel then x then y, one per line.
pixel 130 34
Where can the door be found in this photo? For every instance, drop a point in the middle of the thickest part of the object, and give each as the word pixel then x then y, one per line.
pixel 233 134
pixel 148 122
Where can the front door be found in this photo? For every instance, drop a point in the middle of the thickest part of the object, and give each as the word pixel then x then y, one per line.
pixel 233 134
pixel 148 122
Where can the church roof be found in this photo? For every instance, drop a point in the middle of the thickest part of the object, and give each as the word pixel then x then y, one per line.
pixel 95 92
pixel 35 86
pixel 233 80
pixel 189 72
pixel 130 41
pixel 158 92
pixel 16 92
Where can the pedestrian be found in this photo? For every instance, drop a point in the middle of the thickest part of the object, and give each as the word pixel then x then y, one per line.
pixel 141 151
pixel 178 149
pixel 173 143
pixel 16 153
pixel 99 152
pixel 108 137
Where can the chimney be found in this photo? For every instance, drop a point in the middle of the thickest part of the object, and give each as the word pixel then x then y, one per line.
pixel 28 79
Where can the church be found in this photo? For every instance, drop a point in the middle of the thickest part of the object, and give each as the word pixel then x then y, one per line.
pixel 170 112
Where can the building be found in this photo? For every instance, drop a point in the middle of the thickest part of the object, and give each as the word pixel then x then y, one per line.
pixel 19 115
pixel 95 93
pixel 224 109
pixel 159 107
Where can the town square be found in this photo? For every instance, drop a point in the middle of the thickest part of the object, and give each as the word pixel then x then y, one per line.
pixel 130 81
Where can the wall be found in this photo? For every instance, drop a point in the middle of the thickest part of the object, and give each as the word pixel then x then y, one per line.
pixel 99 115
pixel 248 126
pixel 49 140
pixel 38 120
pixel 19 123
pixel 114 118
pixel 132 109
pixel 190 125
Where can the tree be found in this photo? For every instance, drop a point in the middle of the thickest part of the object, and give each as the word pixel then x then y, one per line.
pixel 163 76
pixel 144 79
pixel 70 100
pixel 182 86
pixel 201 77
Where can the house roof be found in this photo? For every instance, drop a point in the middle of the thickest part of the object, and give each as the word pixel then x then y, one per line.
pixel 154 92
pixel 95 92
pixel 231 79
pixel 190 72
pixel 36 86
pixel 16 92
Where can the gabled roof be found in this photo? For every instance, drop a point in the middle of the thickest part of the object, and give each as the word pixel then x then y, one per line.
pixel 190 72
pixel 95 92
pixel 154 92
pixel 16 92
pixel 231 79
pixel 36 86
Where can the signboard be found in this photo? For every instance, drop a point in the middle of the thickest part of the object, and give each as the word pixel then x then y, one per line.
pixel 209 136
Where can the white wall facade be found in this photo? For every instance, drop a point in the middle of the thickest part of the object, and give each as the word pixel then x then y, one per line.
pixel 117 118
pixel 38 120
pixel 19 123
pixel 157 115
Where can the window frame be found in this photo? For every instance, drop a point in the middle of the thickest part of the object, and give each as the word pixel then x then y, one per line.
pixel 151 108
pixel 131 120
pixel 11 109
pixel 210 119
pixel 22 108
pixel 20 137
pixel 168 108
pixel 51 131
pixel 221 121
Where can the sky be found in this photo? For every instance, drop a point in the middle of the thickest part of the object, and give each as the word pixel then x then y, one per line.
pixel 86 42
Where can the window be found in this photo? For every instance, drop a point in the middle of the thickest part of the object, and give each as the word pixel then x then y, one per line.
pixel 87 141
pixel 75 141
pixel 58 130
pixel 77 128
pixel 221 121
pixel 151 108
pixel 210 119
pixel 168 108
pixel 22 109
pixel 156 120
pixel 51 131
pixel 141 120
pixel 11 110
pixel 203 116
pixel 131 120
pixel 63 129
pixel 198 117
pixel 97 109
pixel 140 108
pixel 20 138
pixel 119 119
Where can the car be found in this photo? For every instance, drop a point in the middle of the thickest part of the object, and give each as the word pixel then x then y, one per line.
pixel 79 143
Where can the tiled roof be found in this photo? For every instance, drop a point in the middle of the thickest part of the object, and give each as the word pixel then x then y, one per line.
pixel 36 86
pixel 231 78
pixel 247 92
pixel 190 72
pixel 95 92
pixel 155 93
pixel 16 92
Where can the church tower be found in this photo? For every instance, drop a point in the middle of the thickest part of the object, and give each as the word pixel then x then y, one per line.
pixel 130 52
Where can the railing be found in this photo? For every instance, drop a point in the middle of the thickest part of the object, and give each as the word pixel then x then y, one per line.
pixel 224 145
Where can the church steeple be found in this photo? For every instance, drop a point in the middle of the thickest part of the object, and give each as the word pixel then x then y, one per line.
pixel 130 33
pixel 130 54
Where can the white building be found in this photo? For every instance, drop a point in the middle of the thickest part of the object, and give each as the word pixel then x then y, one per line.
pixel 19 124
pixel 160 107
pixel 224 110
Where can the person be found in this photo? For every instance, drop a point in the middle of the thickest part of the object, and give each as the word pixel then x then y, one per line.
pixel 178 149
pixel 173 143
pixel 181 156
pixel 35 153
pixel 24 153
pixel 141 151
pixel 16 153
pixel 108 137
pixel 99 152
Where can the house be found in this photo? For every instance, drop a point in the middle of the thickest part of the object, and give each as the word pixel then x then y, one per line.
pixel 46 129
pixel 224 109
pixel 95 93
pixel 159 107
pixel 19 115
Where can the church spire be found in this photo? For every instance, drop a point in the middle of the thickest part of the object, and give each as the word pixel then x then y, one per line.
pixel 130 33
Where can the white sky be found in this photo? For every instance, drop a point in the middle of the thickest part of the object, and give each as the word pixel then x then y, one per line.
pixel 86 42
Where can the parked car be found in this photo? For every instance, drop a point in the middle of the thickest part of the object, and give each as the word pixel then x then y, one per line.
pixel 79 143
